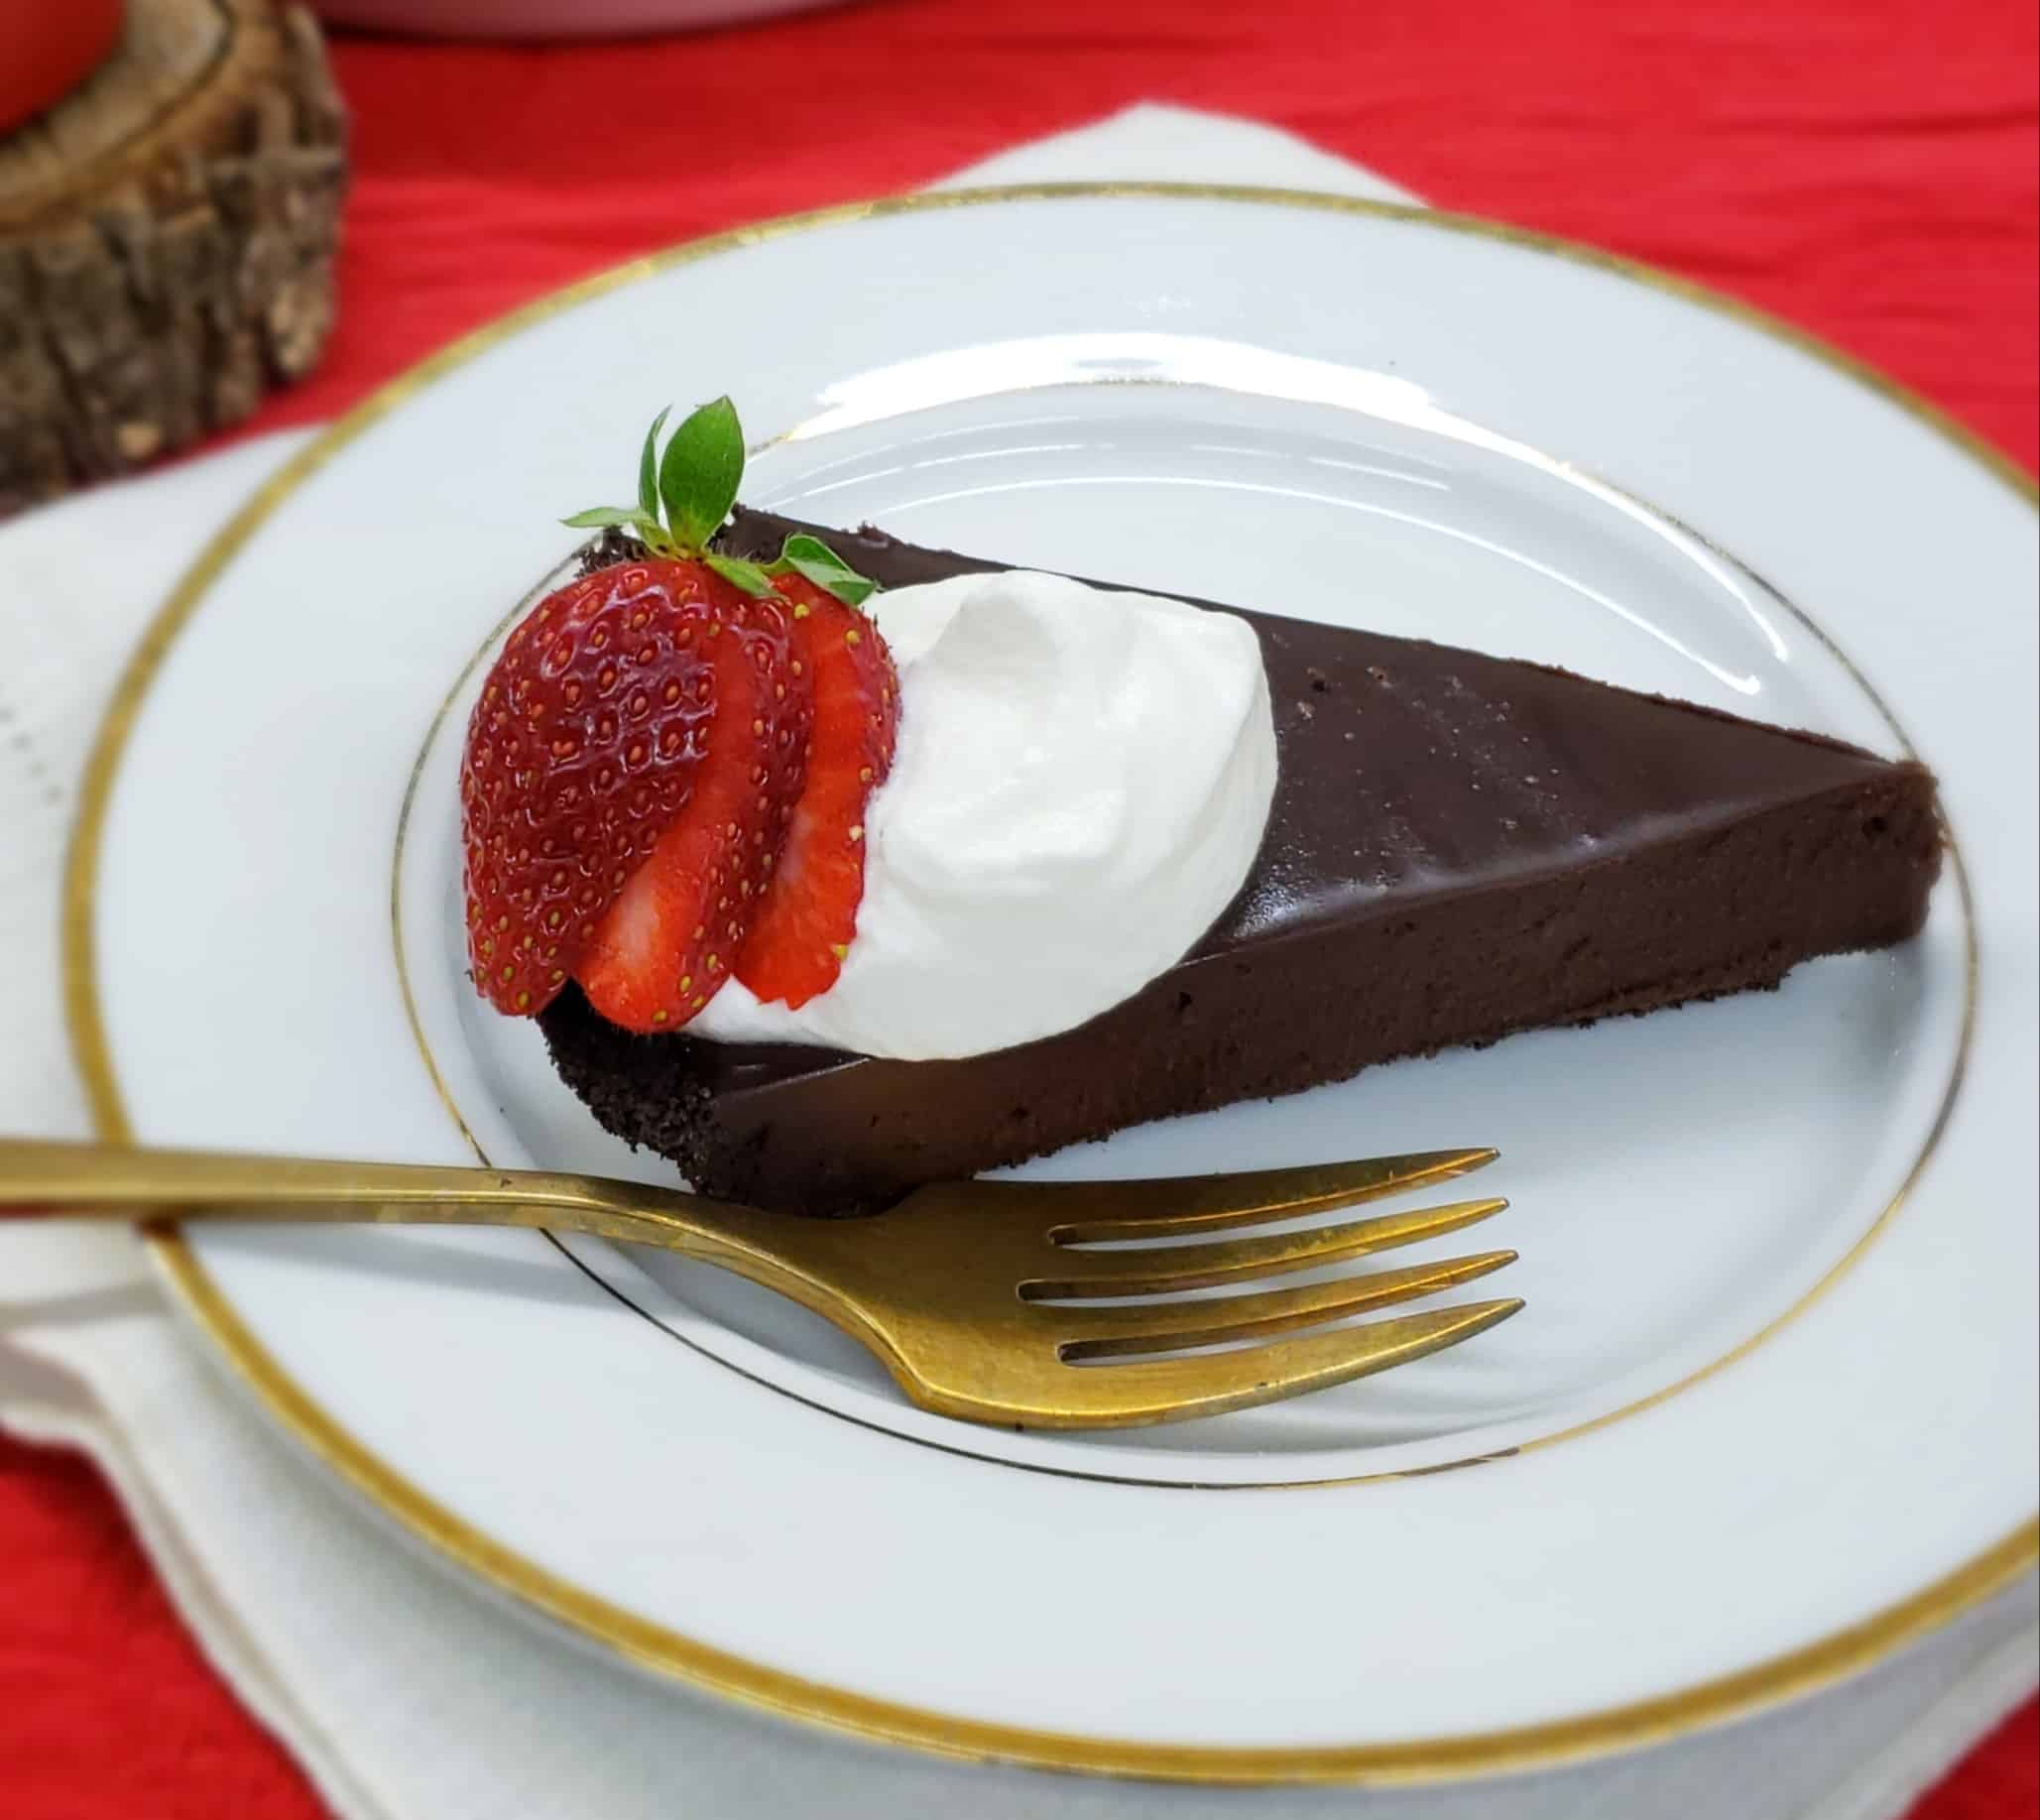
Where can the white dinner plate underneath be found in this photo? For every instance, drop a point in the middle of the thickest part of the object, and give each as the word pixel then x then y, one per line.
pixel 1770 1410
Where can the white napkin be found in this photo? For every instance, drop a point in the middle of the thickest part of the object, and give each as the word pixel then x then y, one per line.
pixel 408 1693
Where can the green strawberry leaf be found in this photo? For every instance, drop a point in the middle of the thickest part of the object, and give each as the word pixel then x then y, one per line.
pixel 600 518
pixel 700 473
pixel 745 576
pixel 810 556
pixel 648 468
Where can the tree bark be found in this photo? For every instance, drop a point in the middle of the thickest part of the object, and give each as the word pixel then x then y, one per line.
pixel 166 239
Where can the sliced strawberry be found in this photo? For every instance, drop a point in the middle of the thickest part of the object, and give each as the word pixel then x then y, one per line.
pixel 668 943
pixel 634 761
pixel 796 944
pixel 580 752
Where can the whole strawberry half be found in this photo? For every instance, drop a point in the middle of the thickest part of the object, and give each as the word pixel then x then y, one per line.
pixel 796 946
pixel 586 745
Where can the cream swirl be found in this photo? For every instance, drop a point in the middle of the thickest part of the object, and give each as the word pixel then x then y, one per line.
pixel 1082 781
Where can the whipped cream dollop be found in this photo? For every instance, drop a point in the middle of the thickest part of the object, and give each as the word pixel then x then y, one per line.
pixel 1081 782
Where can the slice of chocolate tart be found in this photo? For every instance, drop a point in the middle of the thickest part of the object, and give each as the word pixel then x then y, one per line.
pixel 1460 847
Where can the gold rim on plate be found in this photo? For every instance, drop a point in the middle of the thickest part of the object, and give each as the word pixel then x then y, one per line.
pixel 1658 1720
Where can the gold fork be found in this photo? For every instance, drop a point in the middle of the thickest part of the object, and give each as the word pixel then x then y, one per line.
pixel 983 1299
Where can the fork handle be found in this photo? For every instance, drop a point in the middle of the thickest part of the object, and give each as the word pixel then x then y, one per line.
pixel 118 1181
pixel 121 1182
pixel 799 1258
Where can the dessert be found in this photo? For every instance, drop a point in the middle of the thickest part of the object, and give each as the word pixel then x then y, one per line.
pixel 1452 847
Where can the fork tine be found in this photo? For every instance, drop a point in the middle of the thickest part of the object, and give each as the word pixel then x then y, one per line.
pixel 1163 1269
pixel 1106 1210
pixel 1168 1389
pixel 1106 1333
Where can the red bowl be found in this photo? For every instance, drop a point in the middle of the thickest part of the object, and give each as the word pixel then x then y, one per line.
pixel 46 49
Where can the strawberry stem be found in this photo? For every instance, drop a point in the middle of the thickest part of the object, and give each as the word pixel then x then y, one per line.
pixel 684 495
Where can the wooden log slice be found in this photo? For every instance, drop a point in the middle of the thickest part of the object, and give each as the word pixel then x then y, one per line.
pixel 167 237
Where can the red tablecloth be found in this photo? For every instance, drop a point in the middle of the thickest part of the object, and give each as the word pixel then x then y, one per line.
pixel 1867 171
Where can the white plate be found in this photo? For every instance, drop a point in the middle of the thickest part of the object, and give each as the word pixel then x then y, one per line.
pixel 1770 1411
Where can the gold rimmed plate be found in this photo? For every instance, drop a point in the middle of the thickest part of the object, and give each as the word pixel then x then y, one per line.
pixel 1452 431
